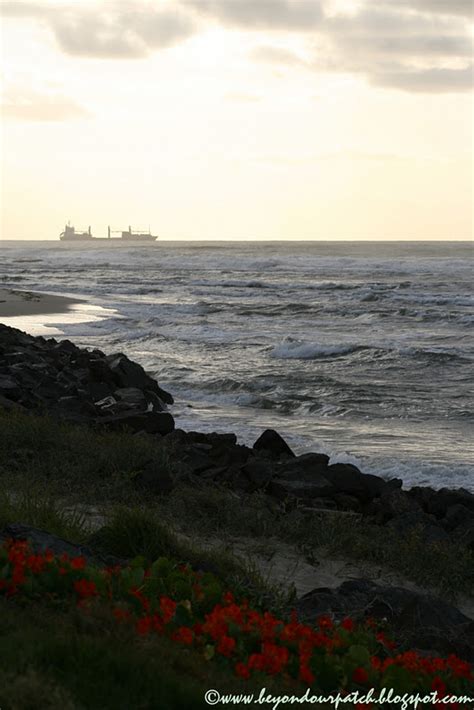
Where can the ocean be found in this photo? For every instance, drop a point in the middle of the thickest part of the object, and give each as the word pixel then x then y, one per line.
pixel 361 350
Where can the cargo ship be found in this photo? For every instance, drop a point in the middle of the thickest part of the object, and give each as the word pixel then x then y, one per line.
pixel 71 235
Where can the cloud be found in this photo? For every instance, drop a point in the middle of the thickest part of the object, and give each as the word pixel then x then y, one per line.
pixel 283 15
pixel 36 106
pixel 114 30
pixel 276 55
pixel 400 49
pixel 441 7
pixel 427 81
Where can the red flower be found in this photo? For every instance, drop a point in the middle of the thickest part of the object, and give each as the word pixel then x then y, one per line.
pixel 226 645
pixel 78 563
pixel 228 597
pixel 360 676
pixel 325 622
pixel 347 624
pixel 85 588
pixel 143 625
pixel 18 575
pixel 35 563
pixel 168 608
pixel 241 670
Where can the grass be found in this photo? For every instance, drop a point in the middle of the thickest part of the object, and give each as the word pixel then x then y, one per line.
pixel 89 465
pixel 445 567
pixel 143 533
pixel 65 660
pixel 42 511
pixel 77 464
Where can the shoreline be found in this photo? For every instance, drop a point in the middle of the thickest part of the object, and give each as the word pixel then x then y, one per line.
pixel 14 303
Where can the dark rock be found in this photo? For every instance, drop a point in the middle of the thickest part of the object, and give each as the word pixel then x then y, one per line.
pixel 41 541
pixel 417 521
pixel 154 478
pixel 9 388
pixel 348 479
pixel 421 620
pixel 396 503
pixel 347 502
pixel 458 515
pixel 131 374
pixel 151 422
pixel 313 486
pixel 259 473
pixel 132 396
pixel 272 442
pixel 10 405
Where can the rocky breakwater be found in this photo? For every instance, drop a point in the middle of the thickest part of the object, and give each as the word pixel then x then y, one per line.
pixel 78 385
pixel 312 482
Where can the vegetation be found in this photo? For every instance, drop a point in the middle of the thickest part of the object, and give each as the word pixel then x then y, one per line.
pixel 51 473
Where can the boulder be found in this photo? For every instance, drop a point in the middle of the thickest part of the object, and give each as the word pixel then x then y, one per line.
pixel 131 374
pixel 154 478
pixel 151 422
pixel 418 521
pixel 132 396
pixel 421 620
pixel 41 541
pixel 395 503
pixel 274 444
pixel 312 486
pixel 259 473
pixel 347 478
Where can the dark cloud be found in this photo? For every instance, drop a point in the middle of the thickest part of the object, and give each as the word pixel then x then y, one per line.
pixel 284 15
pixel 110 31
pixel 35 106
pixel 427 80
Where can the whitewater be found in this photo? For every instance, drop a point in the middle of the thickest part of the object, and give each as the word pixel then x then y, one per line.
pixel 359 350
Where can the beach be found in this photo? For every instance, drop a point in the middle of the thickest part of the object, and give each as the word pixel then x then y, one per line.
pixel 362 348
pixel 28 303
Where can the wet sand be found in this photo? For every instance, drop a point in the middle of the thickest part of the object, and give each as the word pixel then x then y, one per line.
pixel 28 303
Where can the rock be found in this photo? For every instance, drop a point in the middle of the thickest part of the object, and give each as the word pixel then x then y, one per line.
pixel 10 405
pixel 348 479
pixel 154 478
pixel 41 541
pixel 75 384
pixel 426 622
pixel 312 486
pixel 418 521
pixel 151 422
pixel 458 515
pixel 272 442
pixel 131 374
pixel 438 502
pixel 132 396
pixel 9 388
pixel 303 465
pixel 258 473
pixel 395 503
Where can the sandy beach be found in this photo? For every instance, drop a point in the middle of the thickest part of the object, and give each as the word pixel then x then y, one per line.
pixel 28 303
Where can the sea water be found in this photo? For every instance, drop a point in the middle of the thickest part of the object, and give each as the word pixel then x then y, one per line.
pixel 360 350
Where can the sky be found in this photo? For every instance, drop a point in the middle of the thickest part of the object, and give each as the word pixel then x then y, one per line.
pixel 238 119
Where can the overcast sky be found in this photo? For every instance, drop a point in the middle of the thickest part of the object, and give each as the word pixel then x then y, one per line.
pixel 238 119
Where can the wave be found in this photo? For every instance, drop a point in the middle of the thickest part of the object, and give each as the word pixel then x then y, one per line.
pixel 311 351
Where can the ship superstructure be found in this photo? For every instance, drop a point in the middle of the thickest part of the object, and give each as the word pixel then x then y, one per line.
pixel 70 234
